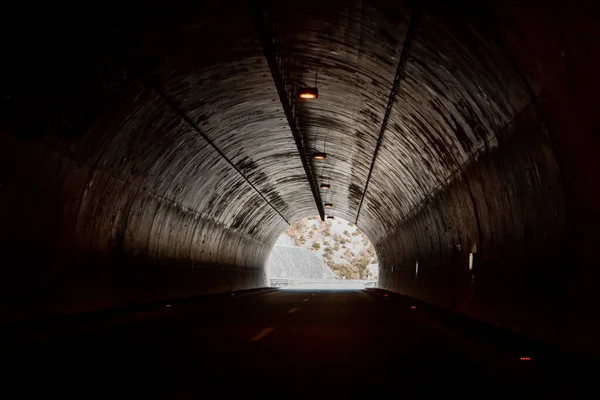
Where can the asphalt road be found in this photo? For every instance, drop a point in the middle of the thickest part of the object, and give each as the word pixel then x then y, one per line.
pixel 287 344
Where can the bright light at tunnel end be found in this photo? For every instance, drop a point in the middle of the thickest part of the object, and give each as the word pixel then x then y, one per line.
pixel 340 254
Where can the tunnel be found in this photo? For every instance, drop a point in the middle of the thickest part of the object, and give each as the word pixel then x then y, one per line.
pixel 157 151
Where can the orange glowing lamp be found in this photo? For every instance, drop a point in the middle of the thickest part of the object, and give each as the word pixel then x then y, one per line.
pixel 309 93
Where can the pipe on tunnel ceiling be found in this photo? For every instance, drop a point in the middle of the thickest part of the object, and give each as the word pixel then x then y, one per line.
pixel 263 26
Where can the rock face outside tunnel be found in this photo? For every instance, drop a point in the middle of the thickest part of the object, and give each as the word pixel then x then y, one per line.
pixel 147 154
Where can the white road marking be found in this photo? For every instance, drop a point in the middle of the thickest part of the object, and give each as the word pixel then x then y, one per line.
pixel 313 294
pixel 293 310
pixel 305 300
pixel 262 334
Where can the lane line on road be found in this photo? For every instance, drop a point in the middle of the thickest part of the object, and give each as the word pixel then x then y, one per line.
pixel 293 310
pixel 305 300
pixel 262 334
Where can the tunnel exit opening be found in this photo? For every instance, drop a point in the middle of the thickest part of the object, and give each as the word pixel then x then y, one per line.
pixel 326 254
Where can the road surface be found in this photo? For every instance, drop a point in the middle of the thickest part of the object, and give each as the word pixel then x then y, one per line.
pixel 288 344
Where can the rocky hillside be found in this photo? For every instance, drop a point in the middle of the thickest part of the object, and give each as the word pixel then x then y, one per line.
pixel 342 246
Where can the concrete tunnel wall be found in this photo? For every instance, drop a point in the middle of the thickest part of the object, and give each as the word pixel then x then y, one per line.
pixel 147 154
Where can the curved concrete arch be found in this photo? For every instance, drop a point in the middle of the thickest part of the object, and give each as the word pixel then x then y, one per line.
pixel 147 154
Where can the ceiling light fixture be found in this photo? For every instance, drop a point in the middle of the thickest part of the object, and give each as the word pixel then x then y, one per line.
pixel 320 156
pixel 325 186
pixel 309 93
pixel 330 217
pixel 328 205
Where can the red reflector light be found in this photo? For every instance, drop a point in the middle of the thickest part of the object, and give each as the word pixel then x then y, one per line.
pixel 413 306
pixel 525 358
pixel 385 295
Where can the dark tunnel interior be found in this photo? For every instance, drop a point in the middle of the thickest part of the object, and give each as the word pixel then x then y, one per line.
pixel 159 151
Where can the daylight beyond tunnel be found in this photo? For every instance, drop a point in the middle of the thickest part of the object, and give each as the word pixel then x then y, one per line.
pixel 312 252
pixel 158 152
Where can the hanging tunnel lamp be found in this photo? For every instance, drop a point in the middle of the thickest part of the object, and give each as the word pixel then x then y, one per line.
pixel 330 217
pixel 328 205
pixel 320 156
pixel 309 93
pixel 325 186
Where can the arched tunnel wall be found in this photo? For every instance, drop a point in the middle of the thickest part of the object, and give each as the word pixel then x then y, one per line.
pixel 526 210
pixel 100 231
pixel 148 153
pixel 110 195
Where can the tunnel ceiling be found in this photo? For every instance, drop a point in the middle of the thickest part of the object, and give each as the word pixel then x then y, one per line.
pixel 455 91
pixel 407 96
pixel 200 108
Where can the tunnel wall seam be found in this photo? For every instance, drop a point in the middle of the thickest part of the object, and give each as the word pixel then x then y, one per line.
pixel 188 121
pixel 404 56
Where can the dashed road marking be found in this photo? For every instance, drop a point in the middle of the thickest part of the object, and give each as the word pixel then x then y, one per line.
pixel 293 310
pixel 262 334
pixel 305 299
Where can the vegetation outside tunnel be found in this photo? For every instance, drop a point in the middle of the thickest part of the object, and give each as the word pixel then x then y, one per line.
pixel 343 247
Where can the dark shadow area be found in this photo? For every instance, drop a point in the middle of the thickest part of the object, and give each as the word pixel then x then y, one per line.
pixel 341 343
